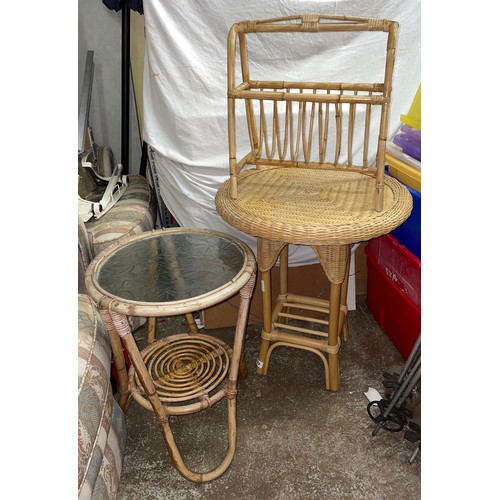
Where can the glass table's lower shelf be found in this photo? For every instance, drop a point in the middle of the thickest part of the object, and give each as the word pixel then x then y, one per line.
pixel 189 371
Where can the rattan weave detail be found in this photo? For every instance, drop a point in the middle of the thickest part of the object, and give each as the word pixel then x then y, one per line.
pixel 312 206
pixel 267 252
pixel 184 367
pixel 334 259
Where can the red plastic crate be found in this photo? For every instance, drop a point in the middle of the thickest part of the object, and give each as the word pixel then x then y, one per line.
pixel 393 291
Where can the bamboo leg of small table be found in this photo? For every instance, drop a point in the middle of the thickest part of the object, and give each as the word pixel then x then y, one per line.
pixel 152 327
pixel 151 330
pixel 333 335
pixel 266 319
pixel 240 330
pixel 191 323
pixel 243 364
pixel 119 360
pixel 243 368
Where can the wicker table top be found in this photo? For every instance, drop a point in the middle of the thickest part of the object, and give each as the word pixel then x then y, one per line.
pixel 312 206
pixel 169 272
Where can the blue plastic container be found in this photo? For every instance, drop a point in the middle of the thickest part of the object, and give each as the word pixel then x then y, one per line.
pixel 409 233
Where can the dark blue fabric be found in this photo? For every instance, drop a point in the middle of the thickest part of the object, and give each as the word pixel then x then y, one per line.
pixel 131 4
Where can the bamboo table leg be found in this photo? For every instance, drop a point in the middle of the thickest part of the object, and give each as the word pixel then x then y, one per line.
pixel 276 330
pixel 124 397
pixel 152 327
pixel 333 337
pixel 343 326
pixel 151 330
pixel 267 321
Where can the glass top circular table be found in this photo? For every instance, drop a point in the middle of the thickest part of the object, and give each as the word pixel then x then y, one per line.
pixel 169 271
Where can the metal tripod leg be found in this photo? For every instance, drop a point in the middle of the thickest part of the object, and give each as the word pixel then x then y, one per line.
pixel 407 380
pixel 399 397
pixel 415 352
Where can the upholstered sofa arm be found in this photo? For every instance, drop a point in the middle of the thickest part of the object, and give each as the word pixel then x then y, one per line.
pixel 101 422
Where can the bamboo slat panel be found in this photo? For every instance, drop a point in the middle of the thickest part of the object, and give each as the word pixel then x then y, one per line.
pixel 310 123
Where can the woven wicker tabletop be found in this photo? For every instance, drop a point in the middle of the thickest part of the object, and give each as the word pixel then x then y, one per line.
pixel 312 206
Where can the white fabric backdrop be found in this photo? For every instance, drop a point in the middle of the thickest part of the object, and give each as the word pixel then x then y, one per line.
pixel 184 89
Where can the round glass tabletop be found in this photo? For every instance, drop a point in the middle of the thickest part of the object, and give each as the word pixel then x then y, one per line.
pixel 170 266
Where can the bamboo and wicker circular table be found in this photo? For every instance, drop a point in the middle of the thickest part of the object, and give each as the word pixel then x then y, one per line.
pixel 170 272
pixel 328 210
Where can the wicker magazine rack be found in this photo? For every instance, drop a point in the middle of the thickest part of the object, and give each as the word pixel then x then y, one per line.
pixel 309 177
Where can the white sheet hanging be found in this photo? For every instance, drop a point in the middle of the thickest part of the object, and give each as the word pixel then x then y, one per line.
pixel 184 89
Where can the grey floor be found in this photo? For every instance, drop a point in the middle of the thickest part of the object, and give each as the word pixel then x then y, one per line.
pixel 294 439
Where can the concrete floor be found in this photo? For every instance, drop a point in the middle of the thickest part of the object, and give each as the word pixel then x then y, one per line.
pixel 294 439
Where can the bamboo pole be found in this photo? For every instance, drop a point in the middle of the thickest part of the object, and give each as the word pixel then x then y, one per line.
pixel 231 129
pixel 151 330
pixel 350 132
pixel 271 95
pixel 297 85
pixel 338 130
pixel 366 135
pixel 389 68
pixel 333 336
pixel 266 318
pixel 119 360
